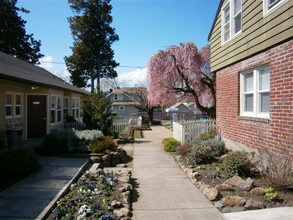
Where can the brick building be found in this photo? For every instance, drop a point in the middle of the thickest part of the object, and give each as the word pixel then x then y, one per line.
pixel 252 56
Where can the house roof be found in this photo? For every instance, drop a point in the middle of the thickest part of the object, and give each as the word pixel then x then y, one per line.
pixel 125 103
pixel 127 90
pixel 215 19
pixel 15 69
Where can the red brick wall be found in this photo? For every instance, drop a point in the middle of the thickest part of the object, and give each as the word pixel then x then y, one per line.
pixel 254 132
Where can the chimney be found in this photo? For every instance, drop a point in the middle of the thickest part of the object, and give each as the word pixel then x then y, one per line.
pixel 111 90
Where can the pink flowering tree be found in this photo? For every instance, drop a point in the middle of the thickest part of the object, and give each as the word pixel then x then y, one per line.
pixel 182 72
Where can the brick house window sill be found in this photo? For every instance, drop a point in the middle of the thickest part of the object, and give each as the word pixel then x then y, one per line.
pixel 246 118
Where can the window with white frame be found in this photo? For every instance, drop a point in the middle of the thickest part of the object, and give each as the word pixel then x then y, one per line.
pixel 271 5
pixel 255 92
pixel 121 108
pixel 66 106
pixel 75 108
pixel 56 109
pixel 231 19
pixel 13 105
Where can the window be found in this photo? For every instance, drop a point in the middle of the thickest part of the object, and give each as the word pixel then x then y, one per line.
pixel 255 93
pixel 13 105
pixel 122 108
pixel 56 109
pixel 271 5
pixel 231 20
pixel 117 97
pixel 75 108
pixel 65 107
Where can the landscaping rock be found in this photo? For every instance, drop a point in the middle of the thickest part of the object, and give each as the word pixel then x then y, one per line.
pixel 233 201
pixel 258 191
pixel 116 204
pixel 247 184
pixel 234 181
pixel 95 159
pixel 115 155
pixel 122 165
pixel 219 204
pixel 233 209
pixel 254 204
pixel 224 187
pixel 125 187
pixel 124 179
pixel 198 184
pixel 124 159
pixel 106 157
pixel 211 193
pixel 114 162
pixel 126 197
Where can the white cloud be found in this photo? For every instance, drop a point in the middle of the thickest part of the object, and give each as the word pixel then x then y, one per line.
pixel 46 62
pixel 134 78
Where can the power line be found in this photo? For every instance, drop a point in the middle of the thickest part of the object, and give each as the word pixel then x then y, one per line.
pixel 138 67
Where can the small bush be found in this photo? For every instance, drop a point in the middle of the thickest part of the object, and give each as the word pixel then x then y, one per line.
pixel 236 163
pixel 216 147
pixel 271 194
pixel 99 146
pixel 183 149
pixel 199 155
pixel 170 144
pixel 18 163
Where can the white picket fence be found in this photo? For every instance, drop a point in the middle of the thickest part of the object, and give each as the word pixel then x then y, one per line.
pixel 187 131
pixel 123 127
pixel 76 125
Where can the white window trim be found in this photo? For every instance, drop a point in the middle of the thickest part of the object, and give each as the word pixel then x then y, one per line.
pixel 119 97
pixel 256 105
pixel 121 108
pixel 74 108
pixel 66 107
pixel 56 109
pixel 231 24
pixel 267 11
pixel 13 105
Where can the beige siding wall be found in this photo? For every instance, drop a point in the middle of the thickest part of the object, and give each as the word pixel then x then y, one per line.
pixel 259 32
pixel 25 90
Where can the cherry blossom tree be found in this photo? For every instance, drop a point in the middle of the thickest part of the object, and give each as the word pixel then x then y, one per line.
pixel 182 71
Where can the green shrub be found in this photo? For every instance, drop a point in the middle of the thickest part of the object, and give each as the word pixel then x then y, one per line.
pixel 271 194
pixel 165 140
pixel 199 155
pixel 18 163
pixel 170 144
pixel 100 145
pixel 216 147
pixel 236 163
pixel 68 140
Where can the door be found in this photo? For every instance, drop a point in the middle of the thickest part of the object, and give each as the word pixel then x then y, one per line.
pixel 36 116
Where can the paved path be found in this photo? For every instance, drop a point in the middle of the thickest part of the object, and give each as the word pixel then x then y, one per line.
pixel 162 190
pixel 28 198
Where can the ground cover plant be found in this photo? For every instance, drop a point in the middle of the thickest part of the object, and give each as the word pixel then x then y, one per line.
pixel 208 163
pixel 91 197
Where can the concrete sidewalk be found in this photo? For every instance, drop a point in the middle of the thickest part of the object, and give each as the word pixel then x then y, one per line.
pixel 29 198
pixel 162 190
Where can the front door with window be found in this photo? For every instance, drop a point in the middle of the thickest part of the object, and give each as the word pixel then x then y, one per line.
pixel 36 116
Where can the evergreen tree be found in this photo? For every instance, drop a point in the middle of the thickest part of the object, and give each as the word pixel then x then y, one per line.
pixel 13 37
pixel 92 56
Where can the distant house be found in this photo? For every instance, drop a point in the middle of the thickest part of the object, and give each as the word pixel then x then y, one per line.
pixel 34 99
pixel 252 56
pixel 124 101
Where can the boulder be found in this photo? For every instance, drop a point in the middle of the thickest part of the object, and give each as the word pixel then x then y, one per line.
pixel 233 209
pixel 124 179
pixel 124 159
pixel 122 165
pixel 254 204
pixel 106 157
pixel 125 187
pixel 257 191
pixel 116 204
pixel 234 181
pixel 114 162
pixel 233 201
pixel 211 193
pixel 96 159
pixel 224 187
pixel 247 184
pixel 125 197
pixel 219 204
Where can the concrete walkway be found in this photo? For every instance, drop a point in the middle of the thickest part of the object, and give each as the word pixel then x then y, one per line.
pixel 162 190
pixel 29 198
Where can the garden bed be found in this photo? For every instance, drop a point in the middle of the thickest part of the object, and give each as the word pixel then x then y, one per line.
pixel 208 177
pixel 98 194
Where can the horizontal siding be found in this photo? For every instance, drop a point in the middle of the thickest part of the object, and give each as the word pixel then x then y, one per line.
pixel 258 34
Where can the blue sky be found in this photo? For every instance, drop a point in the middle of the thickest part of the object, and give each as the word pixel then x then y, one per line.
pixel 144 28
